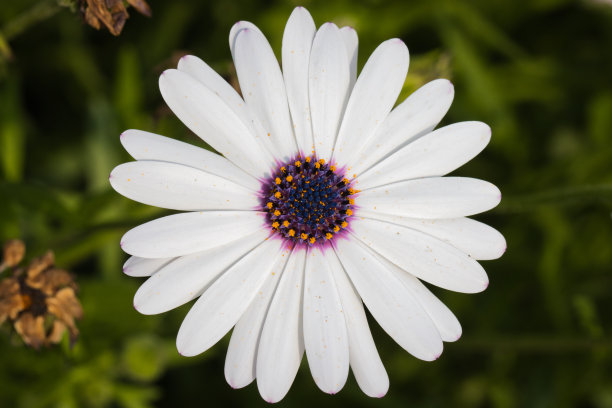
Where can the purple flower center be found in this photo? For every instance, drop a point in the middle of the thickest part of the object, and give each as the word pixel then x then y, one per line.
pixel 308 201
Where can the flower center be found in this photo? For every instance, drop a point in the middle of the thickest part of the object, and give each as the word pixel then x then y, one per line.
pixel 34 300
pixel 308 201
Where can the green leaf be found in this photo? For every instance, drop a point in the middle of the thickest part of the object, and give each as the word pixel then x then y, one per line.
pixel 12 131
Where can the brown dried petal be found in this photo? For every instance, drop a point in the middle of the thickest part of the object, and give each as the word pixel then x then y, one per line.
pixel 91 18
pixel 97 8
pixel 31 329
pixel 51 281
pixel 119 20
pixel 40 264
pixel 11 302
pixel 8 287
pixel 114 4
pixel 114 19
pixel 13 253
pixel 141 6
pixel 119 15
pixel 66 307
pixel 57 332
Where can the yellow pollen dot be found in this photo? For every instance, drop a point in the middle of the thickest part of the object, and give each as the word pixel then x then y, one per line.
pixel 317 165
pixel 291 233
pixel 349 212
pixel 328 236
pixel 304 236
pixel 322 161
pixel 351 201
pixel 345 181
pixel 277 180
pixel 336 228
pixel 351 191
pixel 270 205
pixel 289 178
pixel 312 240
pixel 332 168
pixel 344 224
pixel 307 160
pixel 298 163
pixel 277 194
pixel 283 169
pixel 275 225
pixel 285 223
pixel 277 213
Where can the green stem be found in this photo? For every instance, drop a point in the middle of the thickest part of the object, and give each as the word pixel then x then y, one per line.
pixel 40 12
pixel 556 197
pixel 5 48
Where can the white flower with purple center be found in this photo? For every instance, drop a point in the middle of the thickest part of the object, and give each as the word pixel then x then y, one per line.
pixel 323 198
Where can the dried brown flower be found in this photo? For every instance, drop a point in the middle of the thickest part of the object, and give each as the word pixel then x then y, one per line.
pixel 110 13
pixel 40 300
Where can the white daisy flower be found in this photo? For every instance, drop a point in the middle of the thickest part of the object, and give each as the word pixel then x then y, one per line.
pixel 323 196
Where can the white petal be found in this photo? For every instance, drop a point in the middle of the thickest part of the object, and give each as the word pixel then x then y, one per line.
pixel 242 350
pixel 445 321
pixel 297 42
pixel 263 89
pixel 199 70
pixel 325 336
pixel 186 233
pixel 476 239
pixel 208 116
pixel 178 187
pixel 435 154
pixel 435 197
pixel 394 307
pixel 186 278
pixel 365 361
pixel 281 345
pixel 236 28
pixel 372 98
pixel 416 116
pixel 220 307
pixel 328 80
pixel 140 267
pixel 351 41
pixel 422 255
pixel 149 146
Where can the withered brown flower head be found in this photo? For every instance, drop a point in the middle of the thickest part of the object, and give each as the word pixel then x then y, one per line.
pixel 110 13
pixel 40 300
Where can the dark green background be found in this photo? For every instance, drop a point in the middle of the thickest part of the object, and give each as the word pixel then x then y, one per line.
pixel 538 72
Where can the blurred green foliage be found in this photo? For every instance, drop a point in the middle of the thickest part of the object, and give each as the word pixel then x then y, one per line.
pixel 539 72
